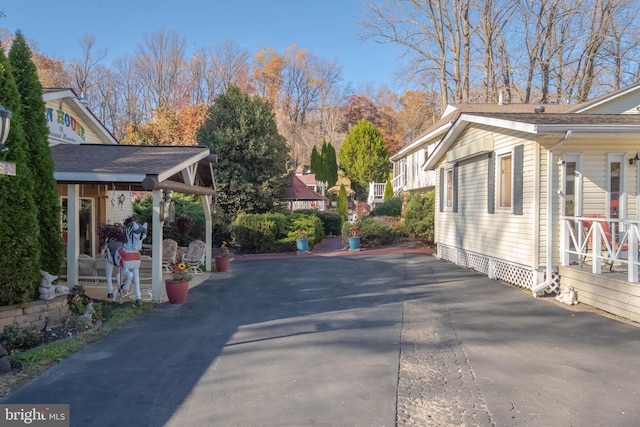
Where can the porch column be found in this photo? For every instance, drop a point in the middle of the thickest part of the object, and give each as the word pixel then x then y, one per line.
pixel 208 229
pixel 596 247
pixel 73 233
pixel 156 259
pixel 632 253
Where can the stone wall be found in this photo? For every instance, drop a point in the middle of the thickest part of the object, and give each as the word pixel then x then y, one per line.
pixel 35 314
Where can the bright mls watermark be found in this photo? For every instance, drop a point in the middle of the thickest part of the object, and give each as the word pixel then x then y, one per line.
pixel 34 415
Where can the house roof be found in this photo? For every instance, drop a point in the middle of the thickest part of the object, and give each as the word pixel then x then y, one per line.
pixel 585 106
pixel 541 125
pixel 309 178
pixel 129 165
pixel 453 112
pixel 298 190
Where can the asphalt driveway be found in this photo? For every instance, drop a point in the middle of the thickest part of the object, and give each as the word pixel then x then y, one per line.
pixel 369 339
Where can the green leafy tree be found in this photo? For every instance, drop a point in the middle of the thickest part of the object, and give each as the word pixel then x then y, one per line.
pixel 343 208
pixel 19 230
pixel 40 162
pixel 252 155
pixel 364 156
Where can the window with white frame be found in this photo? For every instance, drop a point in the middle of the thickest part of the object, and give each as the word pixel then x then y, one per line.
pixel 505 180
pixel 448 196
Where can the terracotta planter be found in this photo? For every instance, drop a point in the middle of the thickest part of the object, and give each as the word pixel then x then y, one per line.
pixel 177 290
pixel 222 263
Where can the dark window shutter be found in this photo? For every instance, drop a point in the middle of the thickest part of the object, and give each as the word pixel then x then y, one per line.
pixel 441 208
pixel 455 188
pixel 518 158
pixel 491 183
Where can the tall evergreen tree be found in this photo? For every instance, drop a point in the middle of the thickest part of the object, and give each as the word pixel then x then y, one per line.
pixel 40 161
pixel 343 208
pixel 364 156
pixel 19 230
pixel 388 190
pixel 315 163
pixel 323 176
pixel 252 154
pixel 332 165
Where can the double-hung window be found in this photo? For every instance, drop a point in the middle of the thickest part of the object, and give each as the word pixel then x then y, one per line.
pixel 505 181
pixel 449 188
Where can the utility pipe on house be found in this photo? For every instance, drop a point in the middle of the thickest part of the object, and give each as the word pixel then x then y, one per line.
pixel 550 166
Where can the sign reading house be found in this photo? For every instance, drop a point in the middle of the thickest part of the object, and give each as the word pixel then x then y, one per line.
pixel 64 127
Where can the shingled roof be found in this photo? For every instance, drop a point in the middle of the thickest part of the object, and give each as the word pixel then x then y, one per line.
pixel 297 190
pixel 127 165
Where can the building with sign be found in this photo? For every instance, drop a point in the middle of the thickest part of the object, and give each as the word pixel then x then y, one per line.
pixel 96 178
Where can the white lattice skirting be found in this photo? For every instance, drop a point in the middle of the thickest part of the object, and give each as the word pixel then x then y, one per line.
pixel 514 274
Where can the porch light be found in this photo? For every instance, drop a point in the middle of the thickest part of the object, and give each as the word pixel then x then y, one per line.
pixel 167 207
pixel 634 159
pixel 5 119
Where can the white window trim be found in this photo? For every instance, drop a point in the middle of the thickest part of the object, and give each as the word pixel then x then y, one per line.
pixel 577 159
pixel 622 208
pixel 499 155
pixel 448 169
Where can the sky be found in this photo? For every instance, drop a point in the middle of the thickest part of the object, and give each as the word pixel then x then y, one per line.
pixel 327 28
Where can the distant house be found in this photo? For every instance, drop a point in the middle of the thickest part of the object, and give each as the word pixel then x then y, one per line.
pixel 300 196
pixel 542 197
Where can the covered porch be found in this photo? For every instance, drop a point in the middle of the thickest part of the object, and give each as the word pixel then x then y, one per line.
pixel 87 170
pixel 600 259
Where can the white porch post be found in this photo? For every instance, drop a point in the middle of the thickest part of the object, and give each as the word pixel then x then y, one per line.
pixel 597 247
pixel 156 260
pixel 208 227
pixel 632 269
pixel 564 242
pixel 73 233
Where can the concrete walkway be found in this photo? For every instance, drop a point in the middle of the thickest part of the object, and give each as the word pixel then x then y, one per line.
pixel 366 339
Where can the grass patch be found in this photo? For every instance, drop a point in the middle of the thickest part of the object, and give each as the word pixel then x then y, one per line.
pixel 30 363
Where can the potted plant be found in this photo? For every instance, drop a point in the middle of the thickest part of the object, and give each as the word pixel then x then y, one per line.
pixel 178 285
pixel 302 242
pixel 223 258
pixel 354 239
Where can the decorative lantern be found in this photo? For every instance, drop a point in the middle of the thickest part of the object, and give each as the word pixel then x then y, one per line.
pixel 5 119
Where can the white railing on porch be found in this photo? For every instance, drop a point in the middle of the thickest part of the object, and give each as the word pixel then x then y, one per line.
pixel 376 192
pixel 397 183
pixel 587 239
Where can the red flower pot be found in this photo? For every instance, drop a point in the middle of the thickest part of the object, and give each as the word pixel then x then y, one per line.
pixel 222 263
pixel 177 290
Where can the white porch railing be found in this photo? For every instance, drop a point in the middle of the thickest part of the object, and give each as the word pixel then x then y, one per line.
pixel 376 192
pixel 397 183
pixel 601 240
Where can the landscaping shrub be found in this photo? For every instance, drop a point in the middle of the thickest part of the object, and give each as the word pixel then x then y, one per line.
pixel 275 232
pixel 15 338
pixel 189 224
pixel 391 207
pixel 419 217
pixel 255 233
pixel 374 231
pixel 331 221
pixel 310 224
